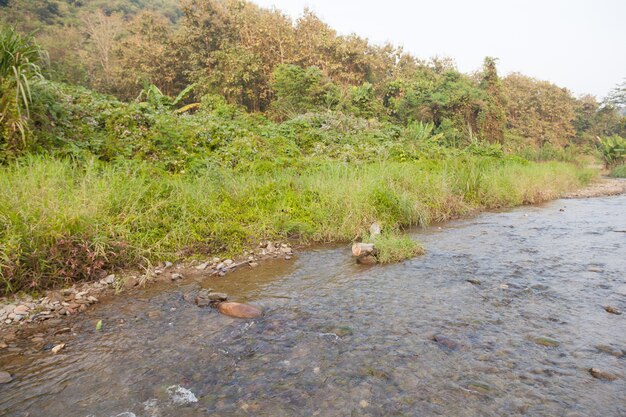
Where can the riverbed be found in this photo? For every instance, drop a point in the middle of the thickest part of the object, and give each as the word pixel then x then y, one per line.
pixel 504 315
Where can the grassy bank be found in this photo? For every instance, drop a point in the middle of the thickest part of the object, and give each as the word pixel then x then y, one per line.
pixel 62 221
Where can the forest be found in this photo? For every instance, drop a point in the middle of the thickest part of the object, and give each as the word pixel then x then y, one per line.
pixel 132 131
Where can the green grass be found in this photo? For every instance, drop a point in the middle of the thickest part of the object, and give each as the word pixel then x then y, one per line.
pixel 396 248
pixel 619 171
pixel 61 221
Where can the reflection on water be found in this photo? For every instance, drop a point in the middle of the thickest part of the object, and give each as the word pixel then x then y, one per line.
pixel 343 340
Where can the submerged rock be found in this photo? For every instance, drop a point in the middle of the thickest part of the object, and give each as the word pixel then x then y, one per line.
pixel 446 342
pixel 546 341
pixel 611 351
pixel 240 311
pixel 181 396
pixel 367 260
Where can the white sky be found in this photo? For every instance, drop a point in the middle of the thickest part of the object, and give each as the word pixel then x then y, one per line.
pixel 578 44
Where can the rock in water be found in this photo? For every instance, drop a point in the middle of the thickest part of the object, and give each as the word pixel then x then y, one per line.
pixel 240 311
pixel 599 374
pixel 5 377
pixel 181 396
pixel 612 310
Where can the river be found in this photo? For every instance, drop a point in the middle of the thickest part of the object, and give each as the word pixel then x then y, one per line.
pixel 339 339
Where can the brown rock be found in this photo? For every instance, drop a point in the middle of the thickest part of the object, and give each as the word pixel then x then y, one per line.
pixel 240 311
pixel 599 374
pixel 612 310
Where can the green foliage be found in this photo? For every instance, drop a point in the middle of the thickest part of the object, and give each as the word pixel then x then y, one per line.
pixel 613 150
pixel 19 65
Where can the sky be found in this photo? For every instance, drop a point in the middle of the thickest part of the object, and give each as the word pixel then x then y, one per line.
pixel 578 44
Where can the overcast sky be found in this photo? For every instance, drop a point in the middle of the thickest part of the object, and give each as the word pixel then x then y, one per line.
pixel 578 44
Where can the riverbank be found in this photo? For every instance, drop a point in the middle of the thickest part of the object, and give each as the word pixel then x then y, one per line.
pixel 601 187
pixel 66 301
pixel 66 222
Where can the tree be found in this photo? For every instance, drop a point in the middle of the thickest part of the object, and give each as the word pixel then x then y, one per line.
pixel 299 90
pixel 492 117
pixel 102 33
pixel 148 55
pixel 539 110
pixel 617 96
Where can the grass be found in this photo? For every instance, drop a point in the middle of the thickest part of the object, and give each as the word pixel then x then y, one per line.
pixel 61 221
pixel 396 248
pixel 619 171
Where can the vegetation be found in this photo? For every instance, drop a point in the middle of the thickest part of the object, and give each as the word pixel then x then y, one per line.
pixel 619 171
pixel 396 248
pixel 166 129
pixel 613 150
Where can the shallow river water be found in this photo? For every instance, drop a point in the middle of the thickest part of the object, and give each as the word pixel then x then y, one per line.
pixel 342 340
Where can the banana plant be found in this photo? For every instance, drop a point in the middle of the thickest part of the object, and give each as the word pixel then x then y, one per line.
pixel 20 57
pixel 613 150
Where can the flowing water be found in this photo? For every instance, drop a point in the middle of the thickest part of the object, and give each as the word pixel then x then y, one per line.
pixel 342 340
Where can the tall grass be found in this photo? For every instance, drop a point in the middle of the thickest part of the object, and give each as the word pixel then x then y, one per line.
pixel 619 171
pixel 61 222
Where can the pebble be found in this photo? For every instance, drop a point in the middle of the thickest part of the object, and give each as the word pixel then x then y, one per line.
pixel 176 276
pixel 202 266
pixel 109 279
pixel 21 309
pixel 5 377
pixel 58 348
